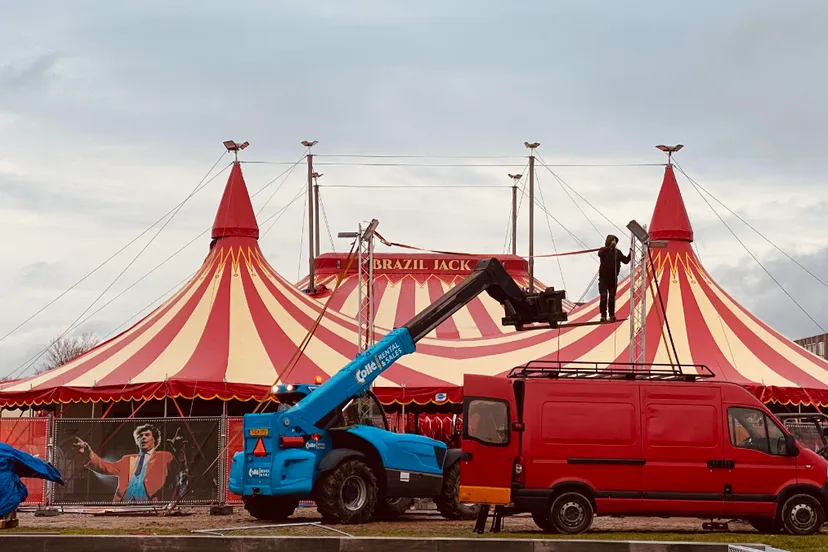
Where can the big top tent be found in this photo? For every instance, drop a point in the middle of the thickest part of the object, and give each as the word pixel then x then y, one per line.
pixel 235 328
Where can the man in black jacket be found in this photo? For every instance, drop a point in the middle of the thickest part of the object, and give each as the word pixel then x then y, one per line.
pixel 611 260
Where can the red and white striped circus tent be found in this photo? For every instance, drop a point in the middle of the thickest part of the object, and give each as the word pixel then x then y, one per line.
pixel 235 328
pixel 404 284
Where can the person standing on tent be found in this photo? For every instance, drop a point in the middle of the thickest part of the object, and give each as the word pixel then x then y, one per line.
pixel 611 260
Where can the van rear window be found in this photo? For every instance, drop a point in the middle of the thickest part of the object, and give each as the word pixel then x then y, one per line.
pixel 488 421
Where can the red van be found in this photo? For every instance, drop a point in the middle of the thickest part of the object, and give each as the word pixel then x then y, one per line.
pixel 568 441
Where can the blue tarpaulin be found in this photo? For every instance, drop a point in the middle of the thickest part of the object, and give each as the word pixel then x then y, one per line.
pixel 15 464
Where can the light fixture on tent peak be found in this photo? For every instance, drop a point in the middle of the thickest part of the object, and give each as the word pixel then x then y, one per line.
pixel 670 150
pixel 235 147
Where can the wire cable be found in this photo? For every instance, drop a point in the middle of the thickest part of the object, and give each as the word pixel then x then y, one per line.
pixel 28 364
pixel 287 172
pixel 327 225
pixel 80 320
pixel 551 234
pixel 749 252
pixel 563 183
pixel 93 271
pixel 699 186
pixel 409 164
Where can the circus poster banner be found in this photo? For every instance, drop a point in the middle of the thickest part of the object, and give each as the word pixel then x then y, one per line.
pixel 138 461
pixel 29 435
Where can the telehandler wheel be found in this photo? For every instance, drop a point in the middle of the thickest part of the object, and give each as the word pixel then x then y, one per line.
pixel 347 494
pixel 391 509
pixel 802 514
pixel 270 508
pixel 448 503
pixel 571 513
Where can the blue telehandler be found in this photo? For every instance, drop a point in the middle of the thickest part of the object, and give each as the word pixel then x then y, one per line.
pixel 330 448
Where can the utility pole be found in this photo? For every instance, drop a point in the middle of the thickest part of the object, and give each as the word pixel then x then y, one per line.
pixel 515 178
pixel 316 226
pixel 311 257
pixel 531 147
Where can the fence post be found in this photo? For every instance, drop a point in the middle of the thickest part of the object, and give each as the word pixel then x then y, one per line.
pixel 222 508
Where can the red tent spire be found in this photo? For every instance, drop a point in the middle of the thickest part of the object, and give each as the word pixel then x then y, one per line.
pixel 235 216
pixel 670 220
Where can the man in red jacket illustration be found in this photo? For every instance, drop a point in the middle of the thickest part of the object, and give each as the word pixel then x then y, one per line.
pixel 141 476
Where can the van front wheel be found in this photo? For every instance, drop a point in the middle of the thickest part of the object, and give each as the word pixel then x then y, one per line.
pixel 571 513
pixel 541 519
pixel 802 515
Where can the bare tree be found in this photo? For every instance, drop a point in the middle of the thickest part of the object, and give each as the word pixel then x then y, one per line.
pixel 65 348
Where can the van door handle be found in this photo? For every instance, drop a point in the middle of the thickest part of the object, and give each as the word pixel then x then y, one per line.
pixel 467 456
pixel 721 464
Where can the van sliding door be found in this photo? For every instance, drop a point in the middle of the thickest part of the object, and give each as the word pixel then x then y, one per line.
pixel 683 445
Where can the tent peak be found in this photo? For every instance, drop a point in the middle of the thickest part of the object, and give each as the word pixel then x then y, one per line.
pixel 670 220
pixel 235 216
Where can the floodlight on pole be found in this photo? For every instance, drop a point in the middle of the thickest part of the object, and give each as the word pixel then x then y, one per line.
pixel 638 231
pixel 309 144
pixel 670 150
pixel 235 147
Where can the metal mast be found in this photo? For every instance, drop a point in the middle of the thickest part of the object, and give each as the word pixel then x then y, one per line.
pixel 316 176
pixel 311 223
pixel 515 178
pixel 531 147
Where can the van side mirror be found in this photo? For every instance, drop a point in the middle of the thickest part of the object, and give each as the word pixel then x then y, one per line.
pixel 790 446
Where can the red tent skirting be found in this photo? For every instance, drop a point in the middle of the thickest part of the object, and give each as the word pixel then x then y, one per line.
pixel 422 396
pixel 207 391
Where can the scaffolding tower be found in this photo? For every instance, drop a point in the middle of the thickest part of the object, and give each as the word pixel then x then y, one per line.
pixel 638 303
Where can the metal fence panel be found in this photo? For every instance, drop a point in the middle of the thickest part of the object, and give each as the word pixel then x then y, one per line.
pixel 106 461
pixel 31 436
pixel 235 443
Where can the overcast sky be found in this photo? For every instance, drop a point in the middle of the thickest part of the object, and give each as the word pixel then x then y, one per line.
pixel 112 112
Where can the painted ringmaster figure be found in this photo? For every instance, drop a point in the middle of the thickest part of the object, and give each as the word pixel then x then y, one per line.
pixel 140 476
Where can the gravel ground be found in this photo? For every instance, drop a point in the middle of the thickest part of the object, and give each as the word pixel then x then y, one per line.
pixel 416 522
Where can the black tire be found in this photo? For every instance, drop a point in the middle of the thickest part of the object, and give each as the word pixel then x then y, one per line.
pixel 802 514
pixel 767 526
pixel 270 508
pixel 448 503
pixel 390 509
pixel 571 513
pixel 347 494
pixel 541 519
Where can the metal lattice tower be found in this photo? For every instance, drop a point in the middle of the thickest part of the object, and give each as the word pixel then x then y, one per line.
pixel 365 285
pixel 638 303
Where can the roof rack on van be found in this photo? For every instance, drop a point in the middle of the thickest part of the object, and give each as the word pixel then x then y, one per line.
pixel 579 369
